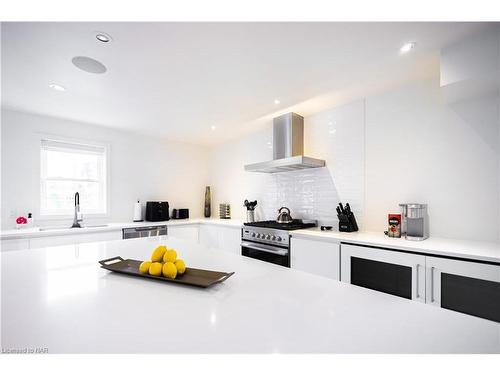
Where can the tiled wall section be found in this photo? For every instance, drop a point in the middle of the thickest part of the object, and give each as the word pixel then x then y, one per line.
pixel 309 194
pixel 338 136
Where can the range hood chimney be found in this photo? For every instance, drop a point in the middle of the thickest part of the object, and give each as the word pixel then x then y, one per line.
pixel 288 147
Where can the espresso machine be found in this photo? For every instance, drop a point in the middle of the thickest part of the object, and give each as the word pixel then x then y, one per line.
pixel 415 221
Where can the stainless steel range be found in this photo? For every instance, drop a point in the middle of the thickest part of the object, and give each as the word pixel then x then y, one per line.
pixel 269 241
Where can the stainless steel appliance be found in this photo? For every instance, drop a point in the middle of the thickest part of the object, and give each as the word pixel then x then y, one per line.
pixel 269 241
pixel 288 147
pixel 415 221
pixel 284 216
pixel 139 232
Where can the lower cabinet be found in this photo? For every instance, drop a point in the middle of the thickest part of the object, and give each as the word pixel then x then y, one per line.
pixel 392 272
pixel 186 232
pixel 468 287
pixel 74 238
pixel 221 237
pixel 9 245
pixel 317 257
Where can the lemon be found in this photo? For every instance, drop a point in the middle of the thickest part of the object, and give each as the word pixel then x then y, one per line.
pixel 170 256
pixel 144 267
pixel 169 270
pixel 158 253
pixel 181 267
pixel 155 269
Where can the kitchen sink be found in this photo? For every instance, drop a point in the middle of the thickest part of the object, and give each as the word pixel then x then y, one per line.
pixel 45 229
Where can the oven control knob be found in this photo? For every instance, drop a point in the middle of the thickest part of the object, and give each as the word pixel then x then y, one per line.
pixel 268 237
pixel 253 234
pixel 258 235
pixel 273 238
pixel 278 238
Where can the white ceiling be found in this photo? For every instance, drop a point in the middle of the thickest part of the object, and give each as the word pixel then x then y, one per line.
pixel 176 80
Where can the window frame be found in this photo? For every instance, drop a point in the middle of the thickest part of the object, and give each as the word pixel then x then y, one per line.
pixel 48 215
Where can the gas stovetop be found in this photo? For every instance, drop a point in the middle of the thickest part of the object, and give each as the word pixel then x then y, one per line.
pixel 295 224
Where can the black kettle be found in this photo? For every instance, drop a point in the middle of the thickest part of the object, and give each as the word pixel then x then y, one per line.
pixel 284 217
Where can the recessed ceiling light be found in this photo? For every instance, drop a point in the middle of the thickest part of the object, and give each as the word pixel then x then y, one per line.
pixel 213 127
pixel 407 47
pixel 57 87
pixel 88 64
pixel 103 37
pixel 277 101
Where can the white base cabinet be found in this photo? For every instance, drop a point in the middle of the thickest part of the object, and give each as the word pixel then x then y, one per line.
pixel 221 237
pixel 9 245
pixel 469 287
pixel 38 242
pixel 74 238
pixel 397 273
pixel 317 257
pixel 187 232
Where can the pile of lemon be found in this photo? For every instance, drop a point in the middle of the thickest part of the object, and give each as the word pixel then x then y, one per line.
pixel 163 262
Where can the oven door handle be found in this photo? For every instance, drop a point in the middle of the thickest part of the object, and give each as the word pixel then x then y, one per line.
pixel 282 252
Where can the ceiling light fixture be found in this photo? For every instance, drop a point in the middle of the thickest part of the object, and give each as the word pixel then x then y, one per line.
pixel 57 87
pixel 277 101
pixel 103 37
pixel 407 47
pixel 213 127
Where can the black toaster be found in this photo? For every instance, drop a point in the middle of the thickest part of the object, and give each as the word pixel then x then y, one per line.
pixel 157 211
pixel 181 213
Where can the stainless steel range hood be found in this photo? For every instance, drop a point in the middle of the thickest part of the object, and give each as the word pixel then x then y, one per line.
pixel 288 147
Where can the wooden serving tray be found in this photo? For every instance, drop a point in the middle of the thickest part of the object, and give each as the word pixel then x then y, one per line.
pixel 192 276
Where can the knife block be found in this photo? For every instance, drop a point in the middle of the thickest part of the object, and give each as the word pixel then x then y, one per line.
pixel 347 222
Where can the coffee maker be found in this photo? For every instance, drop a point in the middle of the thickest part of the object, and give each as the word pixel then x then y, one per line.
pixel 415 223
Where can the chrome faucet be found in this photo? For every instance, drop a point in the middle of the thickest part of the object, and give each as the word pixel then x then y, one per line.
pixel 77 219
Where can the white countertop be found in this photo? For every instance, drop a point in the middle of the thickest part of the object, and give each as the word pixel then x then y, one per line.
pixel 478 250
pixel 12 234
pixel 60 299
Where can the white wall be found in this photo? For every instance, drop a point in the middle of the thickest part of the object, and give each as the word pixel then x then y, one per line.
pixel 407 145
pixel 419 149
pixel 141 167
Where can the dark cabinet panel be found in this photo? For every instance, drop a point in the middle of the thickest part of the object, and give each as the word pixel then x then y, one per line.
pixel 471 296
pixel 385 277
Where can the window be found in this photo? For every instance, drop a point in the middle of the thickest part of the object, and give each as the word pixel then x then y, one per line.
pixel 67 168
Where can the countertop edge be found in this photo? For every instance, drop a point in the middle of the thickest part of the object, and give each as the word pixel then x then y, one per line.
pixel 478 250
pixel 19 234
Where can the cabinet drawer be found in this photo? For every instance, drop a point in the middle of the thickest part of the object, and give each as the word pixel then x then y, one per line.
pixel 392 272
pixel 468 287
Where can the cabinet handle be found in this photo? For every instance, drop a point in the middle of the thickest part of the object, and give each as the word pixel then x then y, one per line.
pixel 416 271
pixel 432 284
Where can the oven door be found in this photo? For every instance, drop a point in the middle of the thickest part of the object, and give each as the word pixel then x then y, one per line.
pixel 267 253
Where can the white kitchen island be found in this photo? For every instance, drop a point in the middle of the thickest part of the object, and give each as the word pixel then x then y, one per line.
pixel 59 299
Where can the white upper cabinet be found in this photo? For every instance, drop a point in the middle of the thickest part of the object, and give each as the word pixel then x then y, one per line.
pixel 317 257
